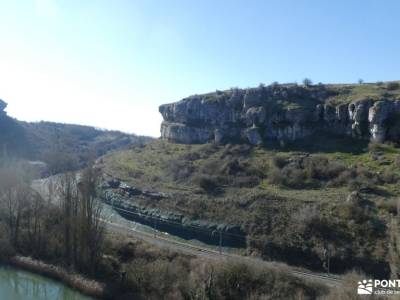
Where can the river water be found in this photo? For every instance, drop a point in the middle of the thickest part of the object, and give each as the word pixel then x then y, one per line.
pixel 16 284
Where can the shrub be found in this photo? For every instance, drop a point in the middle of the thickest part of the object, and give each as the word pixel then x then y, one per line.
pixel 279 161
pixel 358 183
pixel 391 86
pixel 374 147
pixel 179 169
pixel 388 176
pixel 127 252
pixel 307 171
pixel 191 156
pixel 390 205
pixel 276 177
pixel 307 82
pixel 347 292
pixel 232 167
pixel 306 215
pixel 275 84
pixel 159 279
pixel 243 281
pixel 397 161
pixel 208 183
pixel 320 168
pixel 245 181
pixel 343 178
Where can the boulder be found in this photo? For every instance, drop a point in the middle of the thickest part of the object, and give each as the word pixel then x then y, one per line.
pixel 354 197
pixel 255 116
pixel 112 183
pixel 129 190
pixel 253 136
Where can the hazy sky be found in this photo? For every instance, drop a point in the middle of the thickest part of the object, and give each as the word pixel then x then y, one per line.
pixel 112 63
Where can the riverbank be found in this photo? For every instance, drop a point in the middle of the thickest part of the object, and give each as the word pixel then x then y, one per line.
pixel 73 280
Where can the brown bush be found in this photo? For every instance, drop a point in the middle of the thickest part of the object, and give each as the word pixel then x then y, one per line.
pixel 208 183
pixel 391 86
pixel 179 169
pixel 305 171
pixel 397 161
pixel 244 281
pixel 388 176
pixel 279 161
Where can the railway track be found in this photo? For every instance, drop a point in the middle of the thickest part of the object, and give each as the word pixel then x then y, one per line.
pixel 161 241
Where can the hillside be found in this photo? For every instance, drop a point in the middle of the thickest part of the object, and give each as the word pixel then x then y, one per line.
pixel 61 146
pixel 293 197
pixel 290 203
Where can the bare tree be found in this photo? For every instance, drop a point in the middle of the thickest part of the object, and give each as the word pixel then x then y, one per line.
pixel 83 230
pixel 35 219
pixel 67 190
pixel 14 194
pixel 92 229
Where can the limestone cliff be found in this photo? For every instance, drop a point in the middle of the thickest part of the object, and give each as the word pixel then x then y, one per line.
pixel 282 112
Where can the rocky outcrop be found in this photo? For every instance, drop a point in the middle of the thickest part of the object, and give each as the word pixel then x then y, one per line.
pixel 130 191
pixel 122 198
pixel 380 116
pixel 3 106
pixel 276 112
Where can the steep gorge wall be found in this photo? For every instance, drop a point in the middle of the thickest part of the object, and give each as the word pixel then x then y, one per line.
pixel 277 112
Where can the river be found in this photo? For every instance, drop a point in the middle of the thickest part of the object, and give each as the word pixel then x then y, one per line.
pixel 16 284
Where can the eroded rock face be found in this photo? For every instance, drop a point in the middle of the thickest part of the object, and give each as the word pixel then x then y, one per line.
pixel 275 113
pixel 179 132
pixel 378 116
pixel 253 136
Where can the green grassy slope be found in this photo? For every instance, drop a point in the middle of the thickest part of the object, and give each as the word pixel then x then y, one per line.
pixel 295 96
pixel 291 201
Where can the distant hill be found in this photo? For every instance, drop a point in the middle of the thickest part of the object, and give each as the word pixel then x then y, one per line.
pixel 61 146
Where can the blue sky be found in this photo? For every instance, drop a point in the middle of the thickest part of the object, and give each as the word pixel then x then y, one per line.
pixel 112 63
